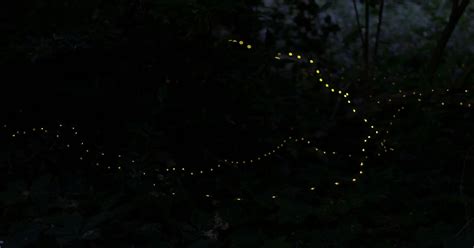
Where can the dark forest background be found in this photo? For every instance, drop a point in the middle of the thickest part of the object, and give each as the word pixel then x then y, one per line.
pixel 161 83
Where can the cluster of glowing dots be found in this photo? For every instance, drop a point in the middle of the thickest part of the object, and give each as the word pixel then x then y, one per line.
pixel 422 97
pixel 130 162
pixel 332 89
pixel 419 95
pixel 419 98
pixel 275 150
pixel 60 131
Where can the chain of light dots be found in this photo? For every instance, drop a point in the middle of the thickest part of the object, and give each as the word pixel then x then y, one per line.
pixel 465 101
pixel 403 96
pixel 60 130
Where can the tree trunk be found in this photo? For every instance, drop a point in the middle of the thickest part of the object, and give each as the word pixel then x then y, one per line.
pixel 379 26
pixel 358 23
pixel 367 45
pixel 457 11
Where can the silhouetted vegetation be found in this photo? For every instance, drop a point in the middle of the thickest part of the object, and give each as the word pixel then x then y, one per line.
pixel 157 89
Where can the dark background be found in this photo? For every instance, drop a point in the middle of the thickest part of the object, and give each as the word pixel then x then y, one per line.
pixel 159 83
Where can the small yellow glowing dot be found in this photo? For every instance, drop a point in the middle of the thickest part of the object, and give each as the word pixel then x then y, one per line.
pixel 249 46
pixel 13 135
pixel 299 56
pixel 276 57
pixel 290 54
pixel 349 101
pixel 353 110
pixel 273 196
pixel 353 179
pixel 320 79
pixel 361 163
pixel 361 172
pixel 241 42
pixel 327 85
pixel 336 183
pixel 312 188
pixel 311 61
pixel 317 71
pixel 340 92
pixel 332 90
pixel 238 199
